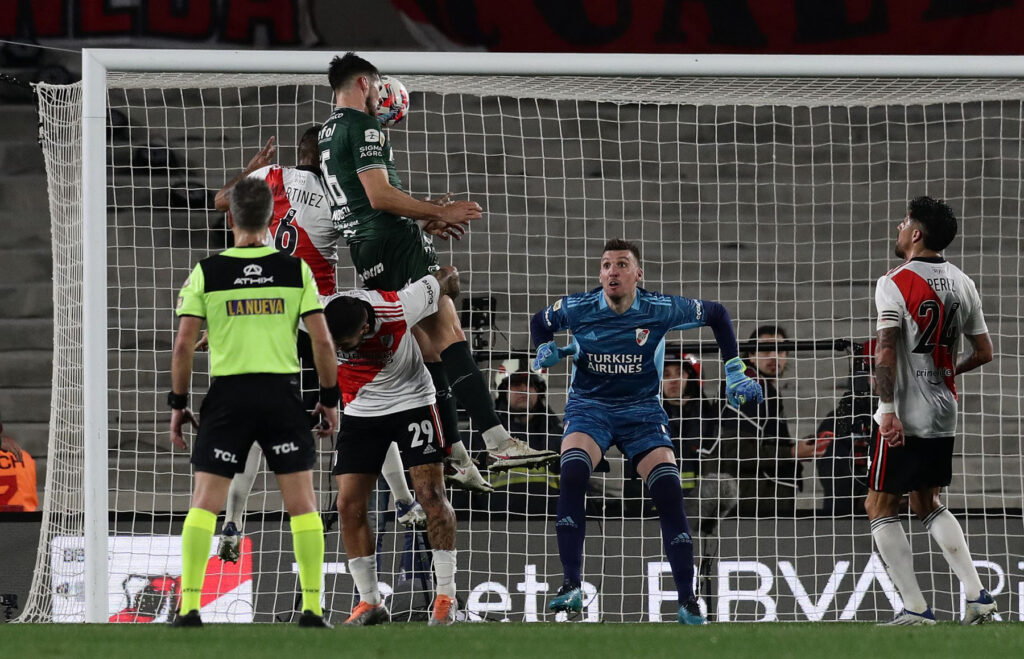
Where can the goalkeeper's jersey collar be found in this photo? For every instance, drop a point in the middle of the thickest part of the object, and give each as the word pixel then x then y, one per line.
pixel 603 302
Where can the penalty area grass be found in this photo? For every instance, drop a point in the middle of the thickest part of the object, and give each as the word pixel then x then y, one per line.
pixel 519 640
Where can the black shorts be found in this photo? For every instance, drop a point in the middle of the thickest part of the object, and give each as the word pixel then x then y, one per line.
pixel 393 261
pixel 363 441
pixel 921 463
pixel 261 407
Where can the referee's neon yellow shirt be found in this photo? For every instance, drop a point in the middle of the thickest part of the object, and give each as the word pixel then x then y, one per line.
pixel 252 299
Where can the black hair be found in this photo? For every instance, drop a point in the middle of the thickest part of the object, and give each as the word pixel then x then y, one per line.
pixel 620 245
pixel 344 70
pixel 938 223
pixel 345 314
pixel 308 146
pixel 252 204
pixel 771 330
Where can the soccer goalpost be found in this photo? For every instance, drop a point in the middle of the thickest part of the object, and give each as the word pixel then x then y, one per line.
pixel 770 183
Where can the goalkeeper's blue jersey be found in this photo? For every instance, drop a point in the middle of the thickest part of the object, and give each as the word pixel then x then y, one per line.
pixel 621 356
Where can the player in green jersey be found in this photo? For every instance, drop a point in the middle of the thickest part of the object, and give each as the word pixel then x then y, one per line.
pixel 251 297
pixel 390 236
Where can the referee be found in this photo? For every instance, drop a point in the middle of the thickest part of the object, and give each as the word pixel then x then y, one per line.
pixel 251 297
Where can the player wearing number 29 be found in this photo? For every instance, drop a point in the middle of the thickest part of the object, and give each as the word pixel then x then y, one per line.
pixel 618 341
pixel 389 397
pixel 924 307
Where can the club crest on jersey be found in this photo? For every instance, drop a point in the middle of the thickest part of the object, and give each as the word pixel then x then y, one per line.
pixel 641 335
pixel 388 341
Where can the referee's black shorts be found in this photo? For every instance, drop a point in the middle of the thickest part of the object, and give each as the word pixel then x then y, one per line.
pixel 258 407
pixel 921 463
pixel 363 441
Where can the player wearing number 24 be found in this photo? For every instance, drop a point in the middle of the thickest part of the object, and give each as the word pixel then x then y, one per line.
pixel 618 343
pixel 924 307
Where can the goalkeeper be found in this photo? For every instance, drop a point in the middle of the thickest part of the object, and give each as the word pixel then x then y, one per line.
pixel 618 343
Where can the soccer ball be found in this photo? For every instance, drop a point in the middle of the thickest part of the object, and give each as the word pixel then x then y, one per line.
pixel 394 101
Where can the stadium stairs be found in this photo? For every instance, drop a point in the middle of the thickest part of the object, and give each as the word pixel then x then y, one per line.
pixel 26 324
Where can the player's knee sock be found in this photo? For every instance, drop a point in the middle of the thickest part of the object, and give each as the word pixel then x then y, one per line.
pixel 667 495
pixel 364 573
pixel 894 549
pixel 241 487
pixel 393 472
pixel 571 521
pixel 445 404
pixel 470 388
pixel 950 537
pixel 444 570
pixel 195 553
pixel 308 543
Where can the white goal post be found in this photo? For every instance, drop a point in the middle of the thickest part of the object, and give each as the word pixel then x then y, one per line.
pixel 786 169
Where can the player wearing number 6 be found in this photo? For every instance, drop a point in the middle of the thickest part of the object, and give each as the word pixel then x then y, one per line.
pixel 389 397
pixel 618 341
pixel 924 307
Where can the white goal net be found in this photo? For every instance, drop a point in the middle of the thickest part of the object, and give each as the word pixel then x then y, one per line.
pixel 778 197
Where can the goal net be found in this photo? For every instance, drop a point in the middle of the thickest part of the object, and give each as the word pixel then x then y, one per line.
pixel 778 196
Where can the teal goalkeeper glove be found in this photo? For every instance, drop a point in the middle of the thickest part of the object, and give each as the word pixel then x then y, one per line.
pixel 740 389
pixel 549 354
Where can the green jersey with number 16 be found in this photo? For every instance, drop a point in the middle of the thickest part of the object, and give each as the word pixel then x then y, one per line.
pixel 352 142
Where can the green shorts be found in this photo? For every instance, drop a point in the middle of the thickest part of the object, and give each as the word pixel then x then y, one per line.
pixel 395 260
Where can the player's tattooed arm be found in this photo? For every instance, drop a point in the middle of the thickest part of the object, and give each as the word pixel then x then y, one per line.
pixel 448 277
pixel 885 363
pixel 981 354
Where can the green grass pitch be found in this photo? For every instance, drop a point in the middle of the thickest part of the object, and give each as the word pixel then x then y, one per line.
pixel 522 641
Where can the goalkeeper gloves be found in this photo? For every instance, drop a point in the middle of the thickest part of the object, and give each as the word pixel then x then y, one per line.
pixel 549 354
pixel 740 389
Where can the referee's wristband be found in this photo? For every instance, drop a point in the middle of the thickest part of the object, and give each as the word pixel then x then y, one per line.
pixel 329 396
pixel 177 401
pixel 886 408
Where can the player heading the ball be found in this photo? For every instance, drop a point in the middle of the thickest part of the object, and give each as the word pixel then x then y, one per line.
pixel 390 237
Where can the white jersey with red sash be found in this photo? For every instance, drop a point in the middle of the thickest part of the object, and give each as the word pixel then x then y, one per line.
pixel 302 224
pixel 386 373
pixel 934 303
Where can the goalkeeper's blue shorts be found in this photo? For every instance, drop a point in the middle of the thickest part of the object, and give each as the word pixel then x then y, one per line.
pixel 635 430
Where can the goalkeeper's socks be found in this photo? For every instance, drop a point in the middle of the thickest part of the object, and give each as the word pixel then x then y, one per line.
pixel 470 388
pixel 364 573
pixel 196 536
pixel 895 551
pixel 445 403
pixel 950 537
pixel 308 542
pixel 667 495
pixel 444 570
pixel 571 519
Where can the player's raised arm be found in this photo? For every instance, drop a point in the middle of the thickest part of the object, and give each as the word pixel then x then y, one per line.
pixel 263 158
pixel 739 388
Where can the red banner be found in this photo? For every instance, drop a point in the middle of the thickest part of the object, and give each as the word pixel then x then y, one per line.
pixel 269 23
pixel 898 27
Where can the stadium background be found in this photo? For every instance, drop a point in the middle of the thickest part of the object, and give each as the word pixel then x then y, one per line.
pixel 25 294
